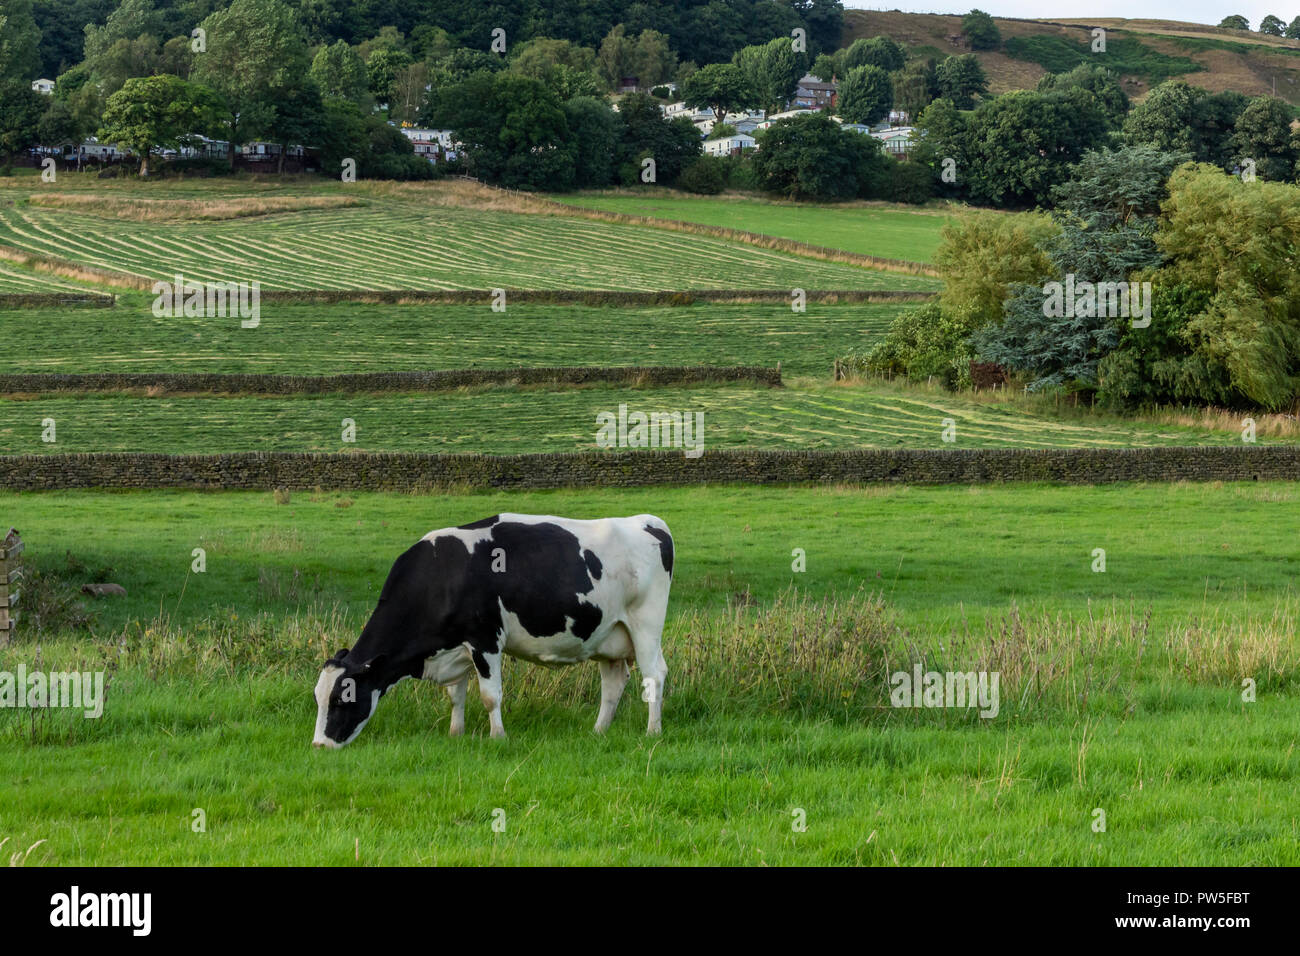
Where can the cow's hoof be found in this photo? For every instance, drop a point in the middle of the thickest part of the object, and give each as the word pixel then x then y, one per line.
pixel 456 731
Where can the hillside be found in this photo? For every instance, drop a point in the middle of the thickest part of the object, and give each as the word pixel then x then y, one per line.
pixel 1142 52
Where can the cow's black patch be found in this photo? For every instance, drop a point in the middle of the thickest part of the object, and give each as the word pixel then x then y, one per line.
pixel 440 594
pixel 481 664
pixel 481 523
pixel 665 546
pixel 593 564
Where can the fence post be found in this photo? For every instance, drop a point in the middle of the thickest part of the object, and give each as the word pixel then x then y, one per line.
pixel 11 573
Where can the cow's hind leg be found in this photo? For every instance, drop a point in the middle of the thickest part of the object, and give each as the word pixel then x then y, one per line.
pixel 613 677
pixel 489 689
pixel 647 627
pixel 456 692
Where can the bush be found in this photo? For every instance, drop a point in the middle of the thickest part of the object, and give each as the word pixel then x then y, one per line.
pixel 707 175
pixel 906 182
pixel 922 344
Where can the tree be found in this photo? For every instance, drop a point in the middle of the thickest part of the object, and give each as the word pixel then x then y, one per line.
pixel 812 157
pixel 878 51
pixel 1272 26
pixel 381 72
pixel 1021 144
pixel 978 27
pixel 256 52
pixel 961 79
pixel 1176 117
pixel 941 139
pixel 616 55
pixel 131 19
pixel 771 71
pixel 513 127
pixel 1263 134
pixel 20 39
pixel 600 131
pixel 1227 314
pixel 1097 80
pixel 299 118
pixel 914 87
pixel 983 253
pixel 409 93
pixel 1235 22
pixel 21 109
pixel 865 95
pixel 60 126
pixel 379 150
pixel 720 87
pixel 1293 29
pixel 672 144
pixel 340 73
pixel 156 112
pixel 653 60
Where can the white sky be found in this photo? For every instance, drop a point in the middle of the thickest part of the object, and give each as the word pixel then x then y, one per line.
pixel 1192 11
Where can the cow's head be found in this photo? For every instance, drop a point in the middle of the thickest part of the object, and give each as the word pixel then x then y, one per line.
pixel 346 696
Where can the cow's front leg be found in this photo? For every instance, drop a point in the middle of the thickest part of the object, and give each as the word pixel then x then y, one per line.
pixel 613 677
pixel 489 689
pixel 456 692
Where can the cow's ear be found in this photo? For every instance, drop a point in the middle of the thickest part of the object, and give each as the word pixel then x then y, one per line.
pixel 376 661
pixel 338 657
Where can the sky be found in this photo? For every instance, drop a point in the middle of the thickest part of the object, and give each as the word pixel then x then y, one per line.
pixel 1192 11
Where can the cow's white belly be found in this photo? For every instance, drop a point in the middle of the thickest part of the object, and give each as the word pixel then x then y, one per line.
pixel 449 666
pixel 609 642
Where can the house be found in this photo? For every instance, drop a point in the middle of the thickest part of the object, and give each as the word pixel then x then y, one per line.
pixel 788 114
pixel 433 144
pixel 897 142
pixel 730 145
pixel 812 92
pixel 43 86
pixel 628 84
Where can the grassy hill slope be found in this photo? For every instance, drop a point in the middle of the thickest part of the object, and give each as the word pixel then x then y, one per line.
pixel 1143 52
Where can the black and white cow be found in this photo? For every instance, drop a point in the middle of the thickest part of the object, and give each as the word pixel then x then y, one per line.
pixel 550 590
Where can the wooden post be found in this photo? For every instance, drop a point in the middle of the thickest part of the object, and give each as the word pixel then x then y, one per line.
pixel 11 574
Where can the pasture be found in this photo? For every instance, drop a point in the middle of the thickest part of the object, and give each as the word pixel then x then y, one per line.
pixel 889 230
pixel 512 419
pixel 389 244
pixel 355 337
pixel 1121 690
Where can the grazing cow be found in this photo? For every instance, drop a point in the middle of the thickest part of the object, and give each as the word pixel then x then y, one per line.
pixel 549 590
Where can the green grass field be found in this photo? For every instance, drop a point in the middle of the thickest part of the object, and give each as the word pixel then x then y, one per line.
pixel 1121 691
pixel 349 337
pixel 889 231
pixel 512 419
pixel 393 245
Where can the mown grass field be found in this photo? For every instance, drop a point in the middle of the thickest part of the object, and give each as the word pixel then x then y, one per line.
pixel 393 245
pixel 351 337
pixel 512 419
pixel 16 279
pixel 1121 690
pixel 878 229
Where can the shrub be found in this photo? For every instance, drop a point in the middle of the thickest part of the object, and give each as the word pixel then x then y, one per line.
pixel 706 175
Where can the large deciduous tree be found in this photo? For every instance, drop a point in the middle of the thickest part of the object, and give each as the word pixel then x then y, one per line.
pixel 720 87
pixel 256 54
pixel 865 95
pixel 156 112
